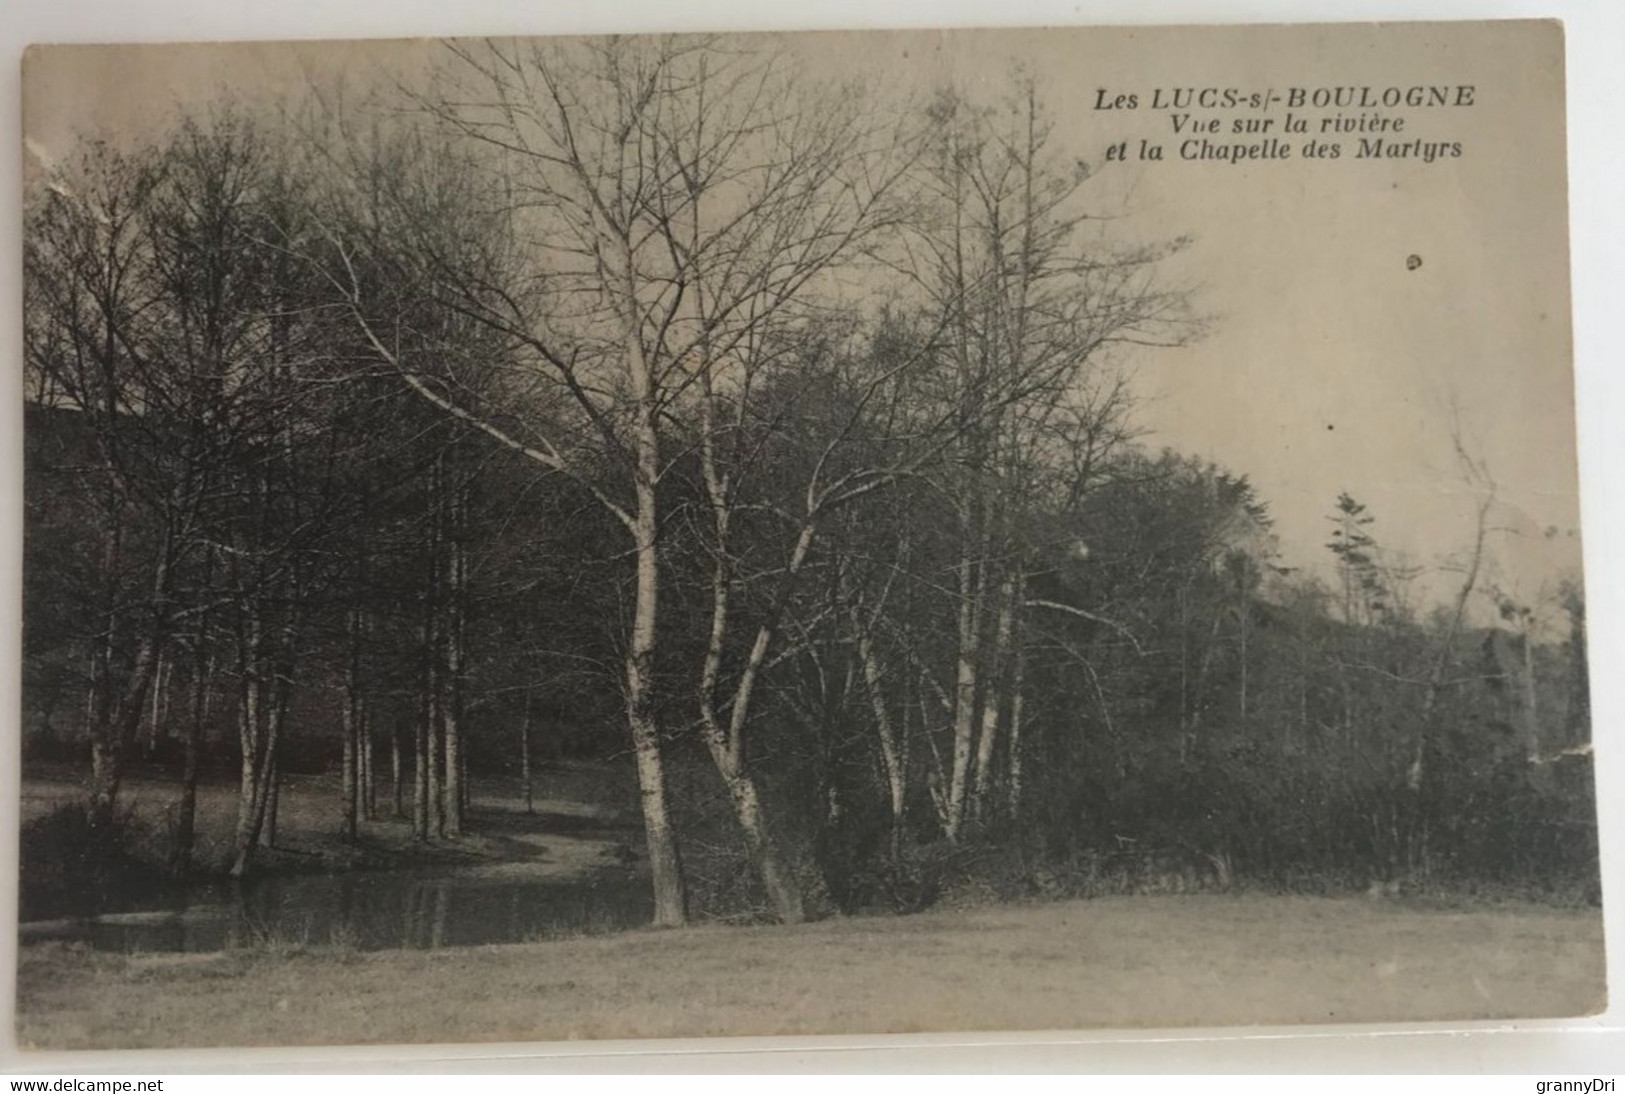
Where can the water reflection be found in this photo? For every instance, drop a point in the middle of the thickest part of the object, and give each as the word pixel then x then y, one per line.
pixel 369 911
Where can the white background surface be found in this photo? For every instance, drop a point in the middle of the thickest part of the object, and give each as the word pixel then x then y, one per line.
pixel 1596 92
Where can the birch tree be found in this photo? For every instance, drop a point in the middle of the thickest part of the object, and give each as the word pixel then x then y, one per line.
pixel 150 316
pixel 1030 308
pixel 88 285
pixel 668 203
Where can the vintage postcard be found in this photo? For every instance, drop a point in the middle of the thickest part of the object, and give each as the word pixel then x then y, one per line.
pixel 838 533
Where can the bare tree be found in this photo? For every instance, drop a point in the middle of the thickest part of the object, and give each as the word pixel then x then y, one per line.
pixel 1420 774
pixel 671 205
pixel 1030 308
pixel 89 285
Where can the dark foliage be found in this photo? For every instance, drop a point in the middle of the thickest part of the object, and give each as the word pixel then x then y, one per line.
pixel 75 863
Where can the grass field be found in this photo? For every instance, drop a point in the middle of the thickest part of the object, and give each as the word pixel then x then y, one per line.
pixel 1117 962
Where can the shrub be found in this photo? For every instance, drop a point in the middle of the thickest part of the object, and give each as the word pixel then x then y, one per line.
pixel 77 864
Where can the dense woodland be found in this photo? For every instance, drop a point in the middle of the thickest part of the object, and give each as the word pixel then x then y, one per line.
pixel 651 404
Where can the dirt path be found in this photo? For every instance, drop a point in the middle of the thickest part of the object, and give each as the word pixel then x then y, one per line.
pixel 567 834
pixel 561 841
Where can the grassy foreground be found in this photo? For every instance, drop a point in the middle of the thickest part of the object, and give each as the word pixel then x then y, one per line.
pixel 1118 962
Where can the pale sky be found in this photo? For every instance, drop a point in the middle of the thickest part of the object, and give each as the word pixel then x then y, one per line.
pixel 1329 364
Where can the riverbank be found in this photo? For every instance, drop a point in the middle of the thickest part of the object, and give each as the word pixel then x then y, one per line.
pixel 575 825
pixel 1107 963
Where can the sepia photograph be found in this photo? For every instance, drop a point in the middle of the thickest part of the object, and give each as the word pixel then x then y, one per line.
pixel 775 534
